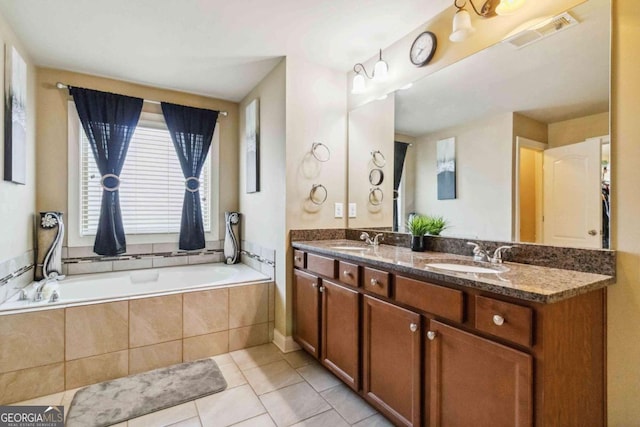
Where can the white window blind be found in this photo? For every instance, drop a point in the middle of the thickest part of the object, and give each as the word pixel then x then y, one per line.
pixel 151 185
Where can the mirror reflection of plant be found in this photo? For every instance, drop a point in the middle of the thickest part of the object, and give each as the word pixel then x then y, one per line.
pixel 435 224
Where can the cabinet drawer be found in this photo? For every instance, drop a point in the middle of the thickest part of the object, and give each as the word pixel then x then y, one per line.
pixel 298 259
pixel 434 299
pixel 348 274
pixel 502 319
pixel 322 265
pixel 376 281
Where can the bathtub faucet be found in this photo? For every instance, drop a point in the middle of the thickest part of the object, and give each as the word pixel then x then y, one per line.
pixel 39 291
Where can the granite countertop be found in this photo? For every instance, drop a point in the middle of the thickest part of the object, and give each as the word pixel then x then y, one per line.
pixel 528 282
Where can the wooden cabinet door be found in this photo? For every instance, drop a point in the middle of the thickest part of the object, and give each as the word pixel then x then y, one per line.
pixel 391 362
pixel 476 382
pixel 340 328
pixel 306 306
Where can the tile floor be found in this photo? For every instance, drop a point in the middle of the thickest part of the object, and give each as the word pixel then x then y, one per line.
pixel 265 388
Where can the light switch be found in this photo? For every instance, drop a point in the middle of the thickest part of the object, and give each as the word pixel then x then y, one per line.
pixel 352 210
pixel 338 210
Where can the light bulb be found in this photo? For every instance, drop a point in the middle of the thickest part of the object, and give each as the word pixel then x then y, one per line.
pixel 462 27
pixel 380 71
pixel 507 7
pixel 358 84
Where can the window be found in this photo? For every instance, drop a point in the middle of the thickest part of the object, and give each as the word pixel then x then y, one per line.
pixel 152 183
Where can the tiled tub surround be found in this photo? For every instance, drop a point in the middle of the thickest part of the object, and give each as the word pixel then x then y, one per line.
pixel 82 259
pixel 15 273
pixel 523 281
pixel 48 351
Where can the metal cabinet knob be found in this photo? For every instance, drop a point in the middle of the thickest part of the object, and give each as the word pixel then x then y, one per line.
pixel 431 335
pixel 592 232
pixel 297 258
pixel 346 273
pixel 413 327
pixel 321 289
pixel 314 284
pixel 498 320
pixel 374 281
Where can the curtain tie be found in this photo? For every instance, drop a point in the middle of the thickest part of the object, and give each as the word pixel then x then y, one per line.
pixel 105 187
pixel 192 188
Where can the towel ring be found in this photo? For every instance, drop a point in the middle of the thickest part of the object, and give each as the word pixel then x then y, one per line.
pixel 107 176
pixel 312 194
pixel 376 176
pixel 320 152
pixel 378 158
pixel 376 196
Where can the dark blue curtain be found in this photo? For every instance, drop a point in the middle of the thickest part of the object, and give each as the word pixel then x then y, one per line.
pixel 109 121
pixel 191 131
pixel 399 154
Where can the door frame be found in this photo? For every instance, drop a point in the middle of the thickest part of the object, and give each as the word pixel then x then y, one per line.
pixel 521 142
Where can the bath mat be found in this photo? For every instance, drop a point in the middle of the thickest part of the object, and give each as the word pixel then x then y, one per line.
pixel 112 402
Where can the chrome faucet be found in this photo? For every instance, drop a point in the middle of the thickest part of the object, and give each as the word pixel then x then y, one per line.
pixel 482 255
pixel 376 239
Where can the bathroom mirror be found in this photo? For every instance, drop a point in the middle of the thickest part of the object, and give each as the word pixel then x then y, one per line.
pixel 511 109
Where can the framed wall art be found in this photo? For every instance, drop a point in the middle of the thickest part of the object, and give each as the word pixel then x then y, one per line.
pixel 15 117
pixel 252 137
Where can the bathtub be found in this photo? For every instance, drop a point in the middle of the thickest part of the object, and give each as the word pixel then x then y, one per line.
pixel 123 285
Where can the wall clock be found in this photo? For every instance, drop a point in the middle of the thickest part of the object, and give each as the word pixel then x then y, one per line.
pixel 423 48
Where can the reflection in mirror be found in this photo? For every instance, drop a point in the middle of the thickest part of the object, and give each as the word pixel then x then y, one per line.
pixel 513 108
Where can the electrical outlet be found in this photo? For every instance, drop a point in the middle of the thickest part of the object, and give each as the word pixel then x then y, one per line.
pixel 339 207
pixel 352 210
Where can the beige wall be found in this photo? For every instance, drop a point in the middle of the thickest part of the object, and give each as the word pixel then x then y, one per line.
pixel 316 111
pixel 482 208
pixel 370 129
pixel 408 182
pixel 264 212
pixel 623 305
pixel 578 130
pixel 17 202
pixel 527 127
pixel 52 141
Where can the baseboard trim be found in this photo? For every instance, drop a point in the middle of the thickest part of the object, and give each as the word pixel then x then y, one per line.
pixel 286 344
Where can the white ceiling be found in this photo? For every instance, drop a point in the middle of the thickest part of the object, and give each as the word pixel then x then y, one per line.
pixel 211 47
pixel 558 78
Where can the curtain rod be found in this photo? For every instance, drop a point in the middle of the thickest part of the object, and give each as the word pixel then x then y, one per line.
pixel 64 86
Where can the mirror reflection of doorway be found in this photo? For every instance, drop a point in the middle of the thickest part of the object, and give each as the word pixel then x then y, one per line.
pixel 562 193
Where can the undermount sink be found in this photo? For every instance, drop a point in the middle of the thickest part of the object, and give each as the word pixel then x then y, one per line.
pixel 467 268
pixel 350 248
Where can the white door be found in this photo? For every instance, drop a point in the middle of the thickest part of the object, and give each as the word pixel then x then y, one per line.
pixel 573 195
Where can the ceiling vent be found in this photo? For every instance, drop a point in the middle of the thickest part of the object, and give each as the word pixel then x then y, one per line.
pixel 541 30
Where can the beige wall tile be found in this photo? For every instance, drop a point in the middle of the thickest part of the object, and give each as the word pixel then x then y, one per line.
pixel 91 370
pixel 96 329
pixel 155 320
pixel 89 267
pixel 31 339
pixel 143 359
pixel 248 305
pixel 206 312
pixel 205 346
pixel 248 336
pixel 272 302
pixel 29 383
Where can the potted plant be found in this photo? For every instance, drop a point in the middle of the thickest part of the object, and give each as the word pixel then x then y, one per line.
pixel 418 227
pixel 435 225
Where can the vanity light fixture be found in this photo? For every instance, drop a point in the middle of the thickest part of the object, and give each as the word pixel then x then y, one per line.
pixel 379 74
pixel 462 27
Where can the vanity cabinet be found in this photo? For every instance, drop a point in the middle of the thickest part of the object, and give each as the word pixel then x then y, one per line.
pixel 306 311
pixel 391 356
pixel 434 353
pixel 473 381
pixel 340 332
